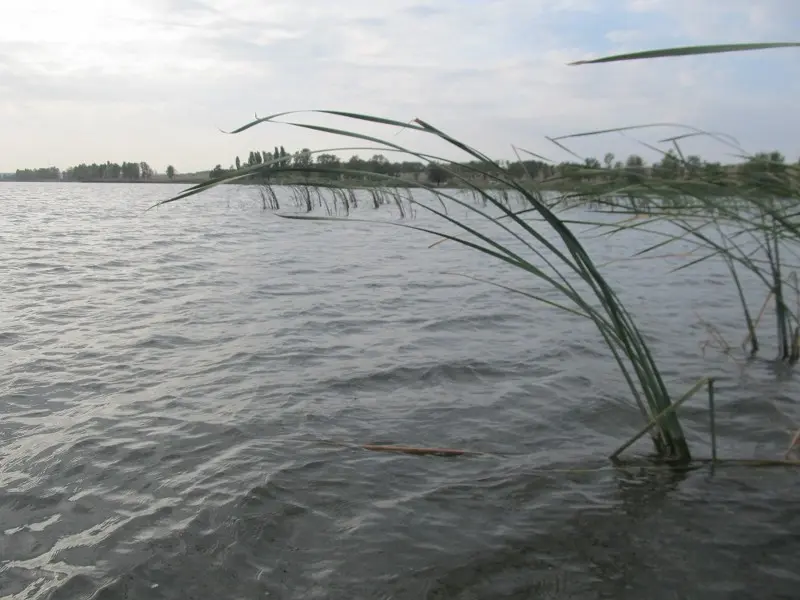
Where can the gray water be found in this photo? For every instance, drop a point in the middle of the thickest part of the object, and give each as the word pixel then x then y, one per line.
pixel 178 389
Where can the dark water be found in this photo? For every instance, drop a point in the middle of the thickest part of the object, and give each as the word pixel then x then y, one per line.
pixel 171 381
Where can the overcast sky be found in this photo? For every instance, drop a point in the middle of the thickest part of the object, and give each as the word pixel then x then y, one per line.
pixel 156 80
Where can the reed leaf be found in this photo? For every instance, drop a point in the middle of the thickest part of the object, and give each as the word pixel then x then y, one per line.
pixel 686 51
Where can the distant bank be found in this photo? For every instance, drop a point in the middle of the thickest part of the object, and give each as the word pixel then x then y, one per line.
pixel 194 179
pixel 117 181
pixel 190 180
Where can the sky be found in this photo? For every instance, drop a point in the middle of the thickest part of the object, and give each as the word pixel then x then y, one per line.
pixel 162 81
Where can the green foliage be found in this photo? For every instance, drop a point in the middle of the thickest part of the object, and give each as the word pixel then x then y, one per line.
pixel 108 171
pixel 218 172
pixel 41 174
pixel 437 174
pixel 670 167
pixel 634 169
pixel 127 171
pixel 693 166
pixel 131 170
pixel 332 162
pixel 328 160
pixel 761 169
pixel 592 163
pixel 302 159
pixel 563 176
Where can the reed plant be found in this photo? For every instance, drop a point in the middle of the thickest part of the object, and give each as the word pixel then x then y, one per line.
pixel 546 251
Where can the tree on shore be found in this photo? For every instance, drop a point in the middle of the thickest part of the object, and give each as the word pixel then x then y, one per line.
pixel 437 174
pixel 635 169
pixel 145 171
pixel 42 174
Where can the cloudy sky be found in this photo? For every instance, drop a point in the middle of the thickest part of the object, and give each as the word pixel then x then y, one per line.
pixel 156 80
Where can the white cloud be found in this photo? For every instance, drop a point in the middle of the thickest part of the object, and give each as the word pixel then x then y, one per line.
pixel 153 80
pixel 627 36
pixel 733 20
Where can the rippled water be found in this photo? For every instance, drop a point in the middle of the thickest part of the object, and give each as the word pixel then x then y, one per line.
pixel 178 387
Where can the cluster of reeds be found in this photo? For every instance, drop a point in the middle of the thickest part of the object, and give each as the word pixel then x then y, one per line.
pixel 334 200
pixel 747 219
pixel 752 230
pixel 548 252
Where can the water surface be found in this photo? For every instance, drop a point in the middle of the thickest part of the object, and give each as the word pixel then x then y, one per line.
pixel 179 388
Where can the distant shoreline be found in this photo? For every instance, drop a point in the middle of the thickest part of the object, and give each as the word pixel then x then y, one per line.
pixel 351 183
pixel 126 181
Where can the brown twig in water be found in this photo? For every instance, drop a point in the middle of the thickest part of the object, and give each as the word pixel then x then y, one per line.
pixel 414 450
pixel 417 451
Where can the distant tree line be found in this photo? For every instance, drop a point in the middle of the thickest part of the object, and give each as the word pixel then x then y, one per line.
pixel 378 164
pixel 762 168
pixel 43 174
pixel 127 171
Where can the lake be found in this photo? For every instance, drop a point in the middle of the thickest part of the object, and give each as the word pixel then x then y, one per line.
pixel 183 392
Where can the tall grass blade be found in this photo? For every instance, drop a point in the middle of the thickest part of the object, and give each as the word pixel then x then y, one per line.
pixel 686 51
